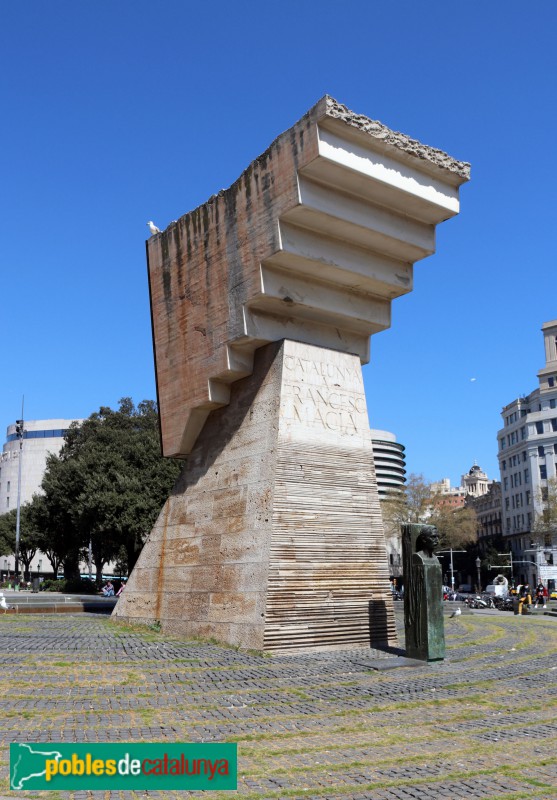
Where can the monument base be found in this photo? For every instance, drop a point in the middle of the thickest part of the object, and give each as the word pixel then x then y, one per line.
pixel 272 537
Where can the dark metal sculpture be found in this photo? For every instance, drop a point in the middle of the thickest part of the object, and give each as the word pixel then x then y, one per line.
pixel 423 593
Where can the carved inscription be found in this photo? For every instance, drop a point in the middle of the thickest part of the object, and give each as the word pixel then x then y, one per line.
pixel 324 395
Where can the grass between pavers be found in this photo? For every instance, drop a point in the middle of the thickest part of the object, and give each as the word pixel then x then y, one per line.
pixel 270 754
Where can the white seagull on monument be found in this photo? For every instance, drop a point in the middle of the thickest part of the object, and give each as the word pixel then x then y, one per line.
pixel 153 228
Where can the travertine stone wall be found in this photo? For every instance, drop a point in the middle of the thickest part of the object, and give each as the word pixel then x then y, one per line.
pixel 263 300
pixel 272 537
pixel 311 243
pixel 328 565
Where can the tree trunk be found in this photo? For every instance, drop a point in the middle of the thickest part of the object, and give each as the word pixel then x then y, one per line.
pixel 99 562
pixel 71 566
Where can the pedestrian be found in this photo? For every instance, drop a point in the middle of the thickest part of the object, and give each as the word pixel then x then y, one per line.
pixel 524 596
pixel 108 589
pixel 539 596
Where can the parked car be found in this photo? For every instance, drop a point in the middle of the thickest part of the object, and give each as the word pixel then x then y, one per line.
pixel 553 595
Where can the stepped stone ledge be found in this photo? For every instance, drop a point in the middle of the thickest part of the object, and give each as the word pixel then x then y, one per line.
pixel 312 243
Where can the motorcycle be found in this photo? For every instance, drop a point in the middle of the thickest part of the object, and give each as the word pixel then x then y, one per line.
pixel 480 602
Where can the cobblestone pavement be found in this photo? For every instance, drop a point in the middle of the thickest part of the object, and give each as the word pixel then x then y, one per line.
pixel 481 725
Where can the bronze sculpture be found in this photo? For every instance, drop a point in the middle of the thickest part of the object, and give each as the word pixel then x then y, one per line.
pixel 423 595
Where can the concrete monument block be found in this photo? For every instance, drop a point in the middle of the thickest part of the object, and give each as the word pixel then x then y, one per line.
pixel 263 301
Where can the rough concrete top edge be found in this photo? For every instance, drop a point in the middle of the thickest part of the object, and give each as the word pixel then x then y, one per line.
pixel 327 106
pixel 396 139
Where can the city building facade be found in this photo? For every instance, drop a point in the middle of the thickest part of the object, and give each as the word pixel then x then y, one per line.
pixel 40 437
pixel 475 482
pixel 488 512
pixel 390 463
pixel 447 495
pixel 527 452
pixel 390 469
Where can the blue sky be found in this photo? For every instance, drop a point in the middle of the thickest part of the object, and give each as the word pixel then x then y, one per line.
pixel 118 112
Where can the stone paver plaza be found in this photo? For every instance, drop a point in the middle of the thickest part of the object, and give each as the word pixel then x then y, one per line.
pixel 480 725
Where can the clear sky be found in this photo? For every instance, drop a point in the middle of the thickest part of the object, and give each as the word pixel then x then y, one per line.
pixel 120 111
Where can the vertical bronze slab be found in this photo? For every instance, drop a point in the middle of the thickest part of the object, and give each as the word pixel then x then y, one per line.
pixel 423 595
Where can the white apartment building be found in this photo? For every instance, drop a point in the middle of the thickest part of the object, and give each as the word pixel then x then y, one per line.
pixel 390 468
pixel 40 437
pixel 390 464
pixel 527 460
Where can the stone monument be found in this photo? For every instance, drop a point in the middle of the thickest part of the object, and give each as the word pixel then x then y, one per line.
pixel 263 301
pixel 423 593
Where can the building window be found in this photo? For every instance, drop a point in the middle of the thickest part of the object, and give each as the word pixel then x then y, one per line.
pixel 526 476
pixel 554 424
pixel 541 451
pixel 505 483
pixel 539 427
pixel 523 432
pixel 552 403
pixel 7 502
pixel 551 382
pixel 8 486
pixel 543 472
pixel 528 496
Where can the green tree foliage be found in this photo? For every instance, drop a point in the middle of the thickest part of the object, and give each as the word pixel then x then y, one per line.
pixel 457 527
pixel 29 540
pixel 415 502
pixel 7 533
pixel 410 503
pixel 106 486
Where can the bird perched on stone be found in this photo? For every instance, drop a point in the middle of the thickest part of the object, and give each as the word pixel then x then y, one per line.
pixel 3 603
pixel 153 228
pixel 456 613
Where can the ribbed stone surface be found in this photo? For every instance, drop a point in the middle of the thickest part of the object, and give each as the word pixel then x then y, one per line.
pixel 272 537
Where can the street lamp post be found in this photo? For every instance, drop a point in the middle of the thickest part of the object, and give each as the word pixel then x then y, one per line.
pixel 478 565
pixel 547 554
pixel 19 431
pixel 451 551
pixel 39 567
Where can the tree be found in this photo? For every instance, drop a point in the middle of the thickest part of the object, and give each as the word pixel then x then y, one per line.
pixel 107 485
pixel 7 533
pixel 410 503
pixel 55 540
pixel 415 502
pixel 29 538
pixel 457 527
